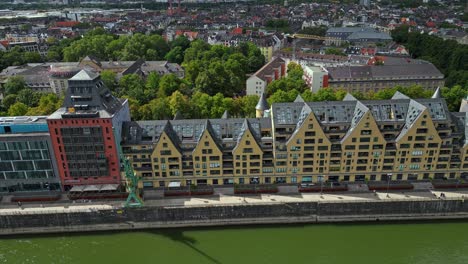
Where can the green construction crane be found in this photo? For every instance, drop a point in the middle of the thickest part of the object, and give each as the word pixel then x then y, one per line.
pixel 133 199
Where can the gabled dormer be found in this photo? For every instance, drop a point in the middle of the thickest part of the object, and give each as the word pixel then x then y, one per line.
pixel 207 155
pixel 167 154
pixel 247 154
pixel 308 147
pixel 363 146
pixel 418 142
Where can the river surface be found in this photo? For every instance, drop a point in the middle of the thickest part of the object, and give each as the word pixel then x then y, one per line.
pixel 406 243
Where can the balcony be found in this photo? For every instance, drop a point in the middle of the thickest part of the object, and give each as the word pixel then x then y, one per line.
pixel 227 157
pixel 143 169
pixel 141 160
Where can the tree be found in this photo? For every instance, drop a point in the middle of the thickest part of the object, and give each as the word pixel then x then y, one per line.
pixel 195 51
pixel 53 56
pixel 48 103
pixel 152 82
pixel 453 96
pixel 181 41
pixel 18 109
pixel 160 108
pixel 132 86
pixel 9 100
pixel 28 97
pixel 179 103
pixel 14 84
pixel 110 79
pixel 247 105
pixel 176 55
pixel 334 51
pixel 201 104
pixel 281 96
pixel 317 31
pixel 325 94
pixel 168 84
pixel 32 57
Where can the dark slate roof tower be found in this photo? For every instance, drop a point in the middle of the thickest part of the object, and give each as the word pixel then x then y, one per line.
pixel 85 132
pixel 261 106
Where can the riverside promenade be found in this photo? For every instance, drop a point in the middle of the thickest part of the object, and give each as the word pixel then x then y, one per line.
pixel 225 197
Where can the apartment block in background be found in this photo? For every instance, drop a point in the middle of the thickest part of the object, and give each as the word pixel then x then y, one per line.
pixel 274 70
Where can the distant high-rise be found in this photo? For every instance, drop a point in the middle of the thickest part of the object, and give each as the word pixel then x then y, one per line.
pixel 365 2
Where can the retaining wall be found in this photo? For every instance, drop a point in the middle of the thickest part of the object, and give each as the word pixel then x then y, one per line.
pixel 158 217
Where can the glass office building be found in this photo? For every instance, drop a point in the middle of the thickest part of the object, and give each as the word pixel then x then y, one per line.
pixel 26 162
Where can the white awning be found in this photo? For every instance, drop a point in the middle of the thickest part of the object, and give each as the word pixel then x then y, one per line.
pixel 77 188
pixel 90 188
pixel 109 187
pixel 174 184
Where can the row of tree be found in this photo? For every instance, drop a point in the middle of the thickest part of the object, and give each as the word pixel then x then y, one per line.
pixel 199 105
pixel 21 100
pixel 211 69
pixel 447 55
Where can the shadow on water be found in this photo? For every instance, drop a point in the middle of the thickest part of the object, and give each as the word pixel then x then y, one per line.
pixel 179 236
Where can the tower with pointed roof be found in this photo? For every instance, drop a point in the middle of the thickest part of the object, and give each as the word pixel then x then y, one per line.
pixel 261 106
pixel 85 132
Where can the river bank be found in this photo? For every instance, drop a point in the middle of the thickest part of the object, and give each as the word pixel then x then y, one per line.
pixel 85 218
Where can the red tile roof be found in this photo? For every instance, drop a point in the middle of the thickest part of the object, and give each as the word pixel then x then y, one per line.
pixel 66 23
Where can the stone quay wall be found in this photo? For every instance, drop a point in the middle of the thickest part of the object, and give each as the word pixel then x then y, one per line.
pixel 249 214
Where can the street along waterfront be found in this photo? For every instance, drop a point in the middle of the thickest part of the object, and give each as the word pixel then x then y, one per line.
pixel 423 242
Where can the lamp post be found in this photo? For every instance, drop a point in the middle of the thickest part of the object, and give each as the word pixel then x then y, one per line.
pixel 320 178
pixel 389 177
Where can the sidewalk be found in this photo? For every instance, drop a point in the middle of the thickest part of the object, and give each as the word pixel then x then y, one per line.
pixel 231 199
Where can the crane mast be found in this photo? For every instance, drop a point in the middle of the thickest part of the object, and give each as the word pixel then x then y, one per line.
pixel 131 180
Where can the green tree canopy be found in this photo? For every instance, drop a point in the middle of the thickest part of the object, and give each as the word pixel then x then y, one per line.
pixel 14 84
pixel 18 109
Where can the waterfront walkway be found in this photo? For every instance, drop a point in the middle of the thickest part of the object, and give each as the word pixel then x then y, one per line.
pixel 224 197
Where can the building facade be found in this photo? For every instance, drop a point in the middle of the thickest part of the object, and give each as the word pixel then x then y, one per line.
pixel 377 77
pixel 315 77
pixel 84 132
pixel 274 70
pixel 350 140
pixel 27 161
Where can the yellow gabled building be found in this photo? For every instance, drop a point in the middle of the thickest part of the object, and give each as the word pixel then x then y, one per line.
pixel 302 142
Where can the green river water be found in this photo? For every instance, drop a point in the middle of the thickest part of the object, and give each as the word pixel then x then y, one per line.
pixel 410 243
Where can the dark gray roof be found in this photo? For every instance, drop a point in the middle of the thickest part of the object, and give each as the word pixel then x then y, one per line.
pixel 88 95
pixel 262 104
pixel 437 93
pixel 336 112
pixel 384 71
pixel 189 130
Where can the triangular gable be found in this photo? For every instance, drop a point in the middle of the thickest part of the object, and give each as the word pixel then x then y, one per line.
pixel 307 118
pixel 208 136
pixel 168 136
pixel 415 112
pixel 247 135
pixel 349 97
pixel 299 99
pixel 399 95
pixel 367 122
pixel 359 112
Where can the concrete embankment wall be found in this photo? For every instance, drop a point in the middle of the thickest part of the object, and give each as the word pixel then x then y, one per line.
pixel 158 217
